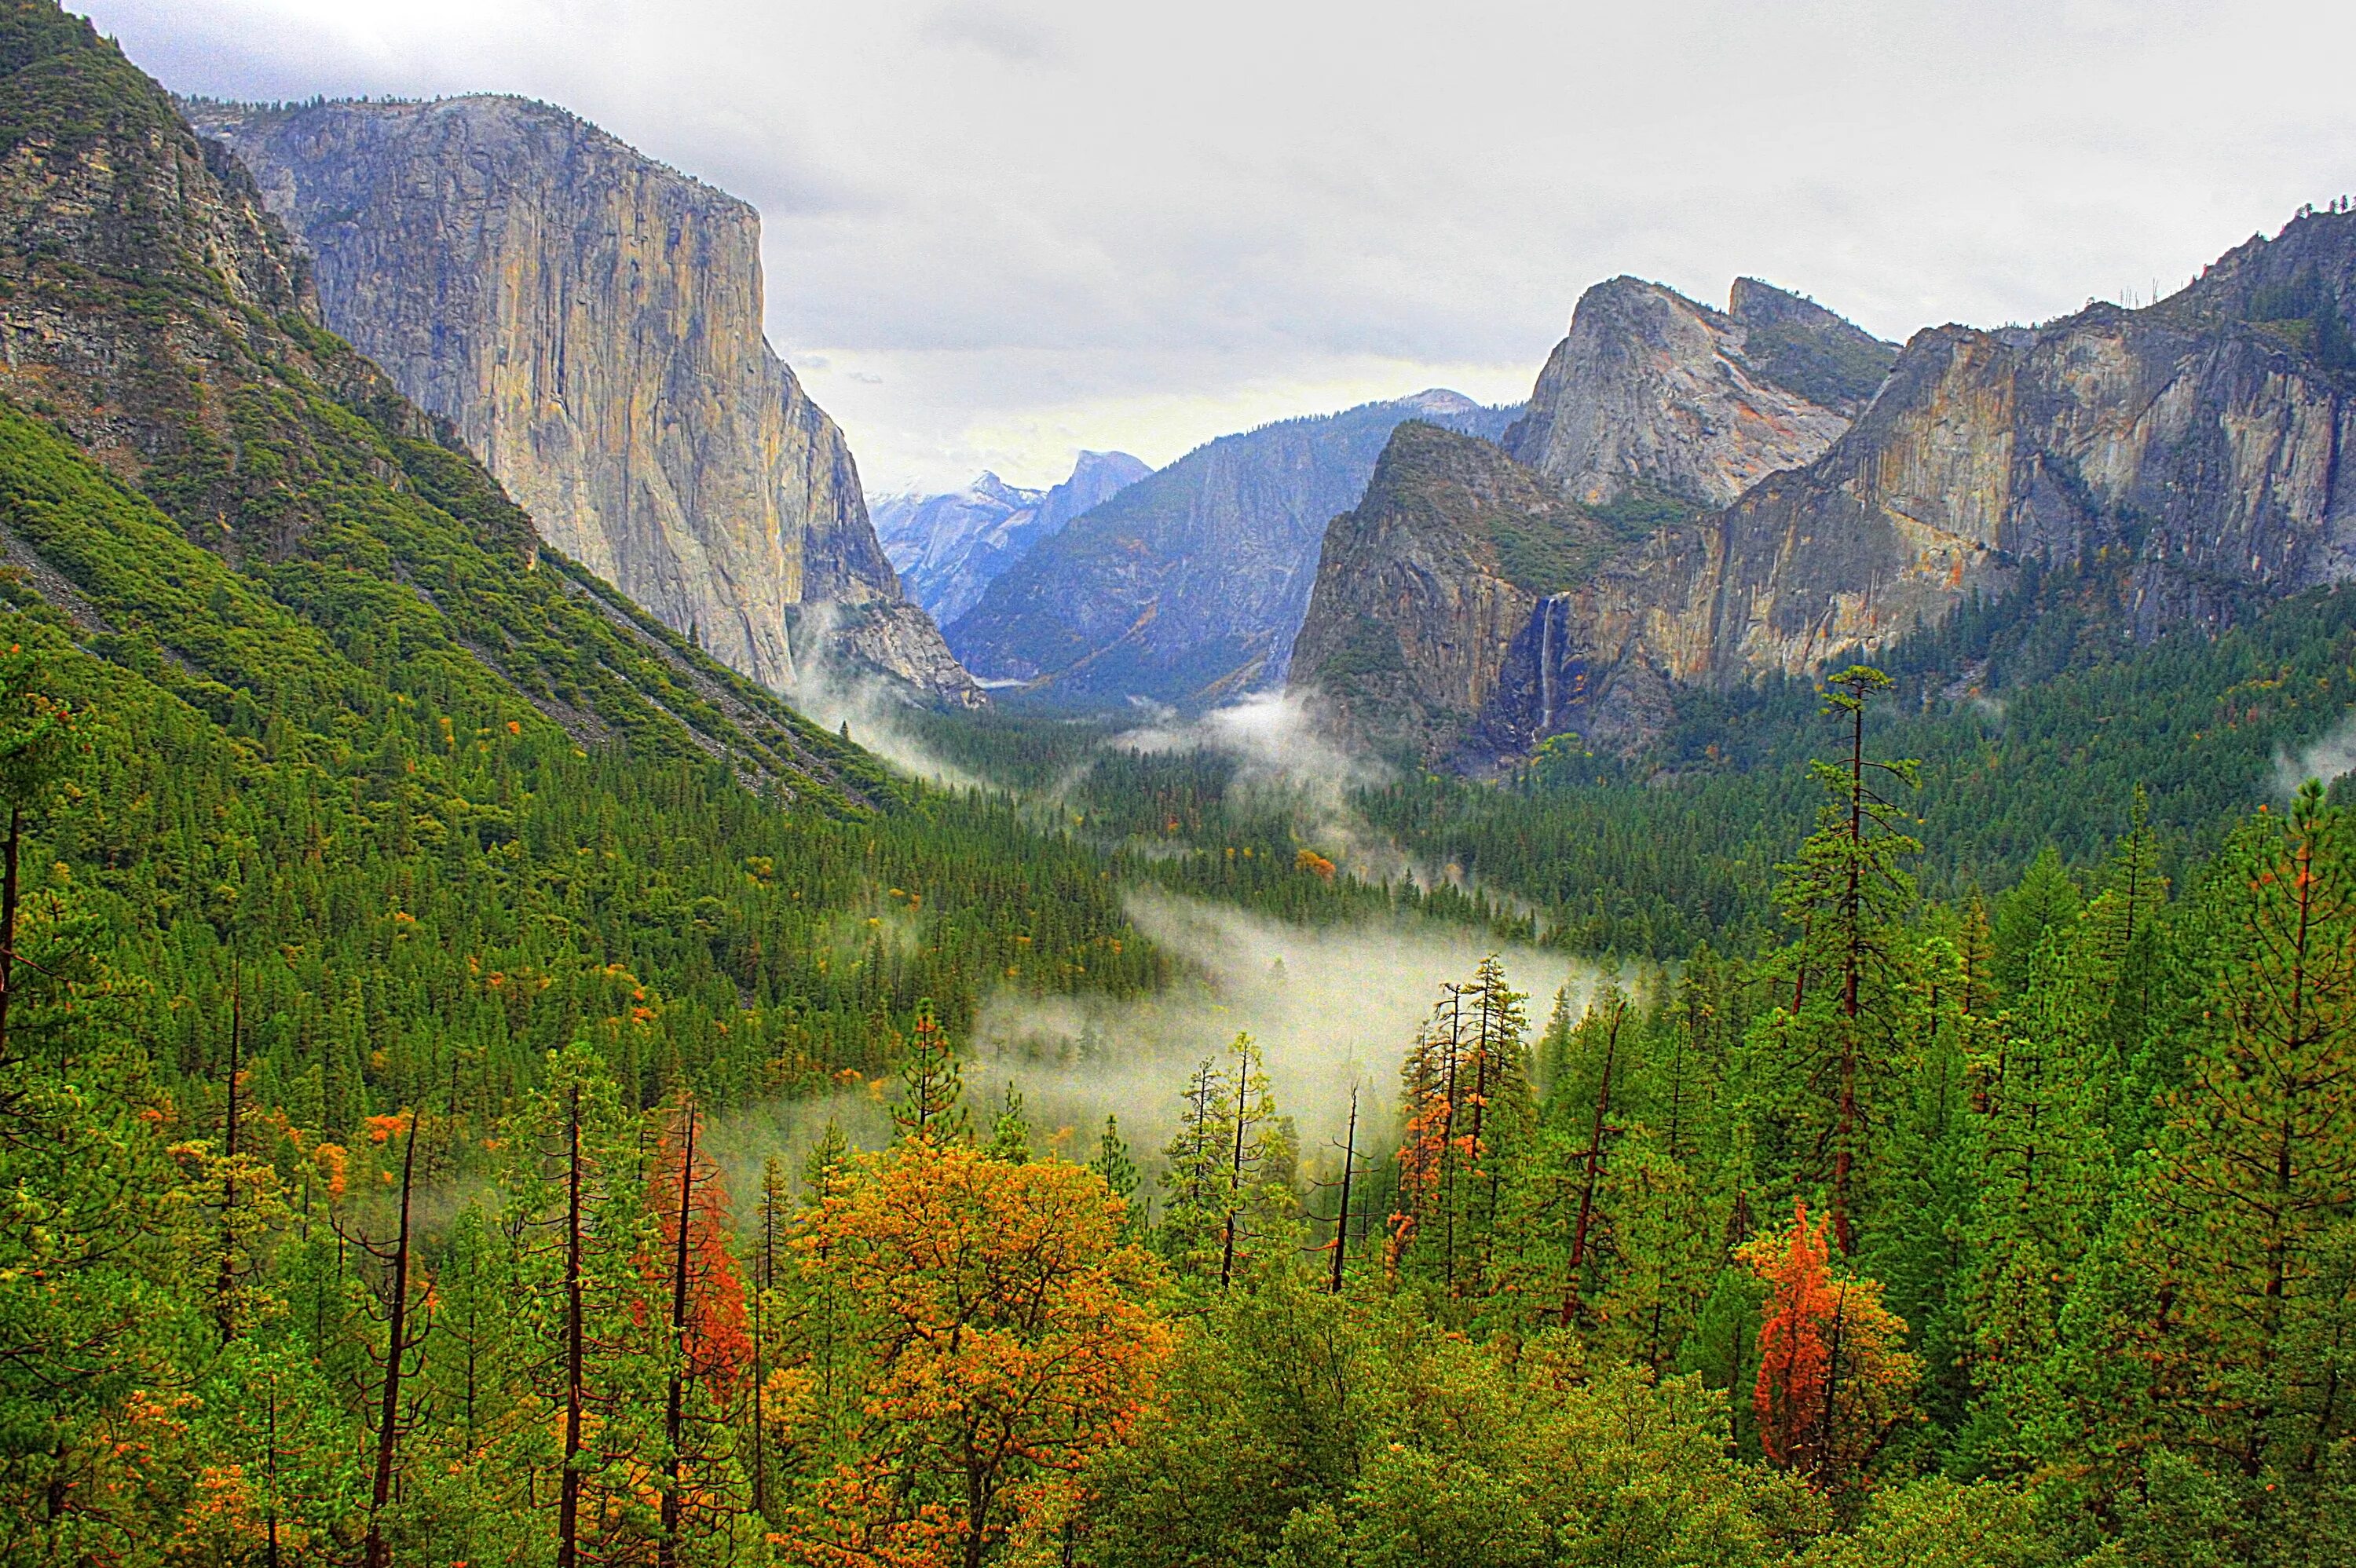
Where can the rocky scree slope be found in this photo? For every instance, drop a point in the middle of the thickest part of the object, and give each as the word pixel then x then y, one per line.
pixel 590 320
pixel 949 547
pixel 280 534
pixel 1189 586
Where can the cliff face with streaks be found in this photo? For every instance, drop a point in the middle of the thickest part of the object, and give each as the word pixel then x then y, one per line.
pixel 2203 437
pixel 590 320
pixel 1423 587
pixel 1654 398
pixel 2203 440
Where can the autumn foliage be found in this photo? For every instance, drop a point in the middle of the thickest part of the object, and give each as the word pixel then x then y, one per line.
pixel 1002 1337
pixel 1833 1378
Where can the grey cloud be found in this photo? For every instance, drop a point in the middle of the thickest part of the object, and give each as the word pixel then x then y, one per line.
pixel 1261 194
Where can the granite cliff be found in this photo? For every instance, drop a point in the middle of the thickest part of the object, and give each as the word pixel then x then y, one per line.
pixel 951 547
pixel 1188 586
pixel 283 537
pixel 590 321
pixel 1422 586
pixel 1653 398
pixel 2199 440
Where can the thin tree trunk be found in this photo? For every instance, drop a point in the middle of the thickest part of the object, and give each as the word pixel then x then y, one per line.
pixel 1594 1163
pixel 1236 1170
pixel 8 921
pixel 1342 1222
pixel 225 1285
pixel 675 1397
pixel 568 1506
pixel 378 1551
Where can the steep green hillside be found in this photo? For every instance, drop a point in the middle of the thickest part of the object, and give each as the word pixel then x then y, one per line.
pixel 432 798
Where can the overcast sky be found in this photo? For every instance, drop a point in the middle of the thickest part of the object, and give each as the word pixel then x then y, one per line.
pixel 997 232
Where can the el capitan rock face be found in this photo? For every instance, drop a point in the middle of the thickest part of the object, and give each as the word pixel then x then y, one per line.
pixel 1189 585
pixel 590 320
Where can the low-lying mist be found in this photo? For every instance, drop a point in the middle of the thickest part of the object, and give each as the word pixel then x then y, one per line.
pixel 1330 1007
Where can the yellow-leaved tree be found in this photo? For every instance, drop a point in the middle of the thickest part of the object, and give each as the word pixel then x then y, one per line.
pixel 1001 1333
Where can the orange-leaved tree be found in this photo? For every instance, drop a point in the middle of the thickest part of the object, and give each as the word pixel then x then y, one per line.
pixel 698 1298
pixel 1833 1377
pixel 1003 1334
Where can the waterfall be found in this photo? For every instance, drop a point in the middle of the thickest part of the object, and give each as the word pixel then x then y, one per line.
pixel 1546 667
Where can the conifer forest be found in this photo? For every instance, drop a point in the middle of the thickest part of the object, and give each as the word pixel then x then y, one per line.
pixel 483 1082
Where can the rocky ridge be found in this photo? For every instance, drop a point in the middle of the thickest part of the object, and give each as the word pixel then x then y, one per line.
pixel 1189 586
pixel 2198 440
pixel 949 547
pixel 1654 397
pixel 156 316
pixel 1423 587
pixel 590 321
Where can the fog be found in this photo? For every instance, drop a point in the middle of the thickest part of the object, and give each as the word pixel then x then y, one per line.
pixel 832 694
pixel 2326 758
pixel 1330 1006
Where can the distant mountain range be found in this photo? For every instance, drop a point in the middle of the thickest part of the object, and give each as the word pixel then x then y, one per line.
pixel 949 547
pixel 1188 586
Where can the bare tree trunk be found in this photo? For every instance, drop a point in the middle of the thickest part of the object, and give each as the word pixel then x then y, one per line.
pixel 675 1397
pixel 1342 1221
pixel 568 1506
pixel 225 1283
pixel 378 1553
pixel 8 921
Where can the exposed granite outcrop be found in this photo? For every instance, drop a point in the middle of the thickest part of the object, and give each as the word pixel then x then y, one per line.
pixel 2203 437
pixel 1422 588
pixel 1188 586
pixel 590 320
pixel 159 318
pixel 949 547
pixel 1654 398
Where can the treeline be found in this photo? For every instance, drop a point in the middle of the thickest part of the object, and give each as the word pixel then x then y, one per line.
pixel 1993 1231
pixel 2058 714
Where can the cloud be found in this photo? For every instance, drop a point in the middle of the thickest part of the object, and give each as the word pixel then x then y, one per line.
pixel 1044 197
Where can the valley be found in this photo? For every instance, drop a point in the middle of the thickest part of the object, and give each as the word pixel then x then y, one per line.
pixel 1747 961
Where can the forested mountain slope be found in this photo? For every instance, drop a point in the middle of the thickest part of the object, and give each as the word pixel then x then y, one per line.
pixel 362 711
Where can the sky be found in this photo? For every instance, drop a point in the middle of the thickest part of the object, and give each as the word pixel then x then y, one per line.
pixel 997 231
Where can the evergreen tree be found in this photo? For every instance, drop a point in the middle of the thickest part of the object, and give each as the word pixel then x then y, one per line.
pixel 1842 1029
pixel 931 1108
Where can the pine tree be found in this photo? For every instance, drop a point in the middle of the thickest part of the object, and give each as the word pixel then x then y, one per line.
pixel 1010 1139
pixel 2251 1205
pixel 1121 1174
pixel 1845 891
pixel 930 1110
